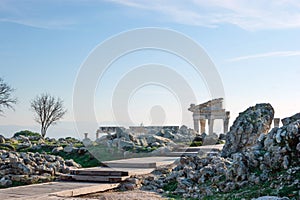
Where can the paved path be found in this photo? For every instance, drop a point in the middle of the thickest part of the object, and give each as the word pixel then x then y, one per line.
pixel 144 162
pixel 53 190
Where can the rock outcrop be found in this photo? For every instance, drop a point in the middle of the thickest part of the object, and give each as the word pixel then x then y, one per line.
pixel 247 128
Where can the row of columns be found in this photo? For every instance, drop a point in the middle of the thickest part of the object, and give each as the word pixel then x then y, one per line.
pixel 201 128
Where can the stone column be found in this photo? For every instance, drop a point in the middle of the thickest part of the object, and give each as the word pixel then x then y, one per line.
pixel 85 135
pixel 196 125
pixel 276 122
pixel 202 125
pixel 210 126
pixel 97 134
pixel 226 122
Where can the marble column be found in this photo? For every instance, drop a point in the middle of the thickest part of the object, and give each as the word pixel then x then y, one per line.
pixel 97 134
pixel 202 125
pixel 196 125
pixel 276 122
pixel 210 126
pixel 85 135
pixel 226 122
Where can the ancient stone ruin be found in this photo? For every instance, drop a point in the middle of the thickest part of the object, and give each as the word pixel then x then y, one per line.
pixel 210 111
pixel 255 161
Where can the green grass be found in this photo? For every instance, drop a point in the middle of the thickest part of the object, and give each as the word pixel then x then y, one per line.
pixel 85 160
pixel 196 144
pixel 171 186
pixel 103 153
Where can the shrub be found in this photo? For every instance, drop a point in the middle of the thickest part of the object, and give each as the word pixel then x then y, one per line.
pixel 27 133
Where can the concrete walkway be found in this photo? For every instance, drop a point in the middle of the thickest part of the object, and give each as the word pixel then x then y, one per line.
pixel 53 190
pixel 144 162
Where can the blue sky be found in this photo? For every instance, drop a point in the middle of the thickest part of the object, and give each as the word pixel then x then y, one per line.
pixel 255 47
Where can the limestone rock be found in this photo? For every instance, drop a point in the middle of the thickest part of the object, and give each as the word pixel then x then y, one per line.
pixel 247 128
pixel 5 182
pixel 24 145
pixel 125 145
pixel 56 150
pixel 70 149
pixel 71 163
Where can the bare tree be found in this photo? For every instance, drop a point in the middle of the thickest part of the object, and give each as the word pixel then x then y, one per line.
pixel 48 110
pixel 6 99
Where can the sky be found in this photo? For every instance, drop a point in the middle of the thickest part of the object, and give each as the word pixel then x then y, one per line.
pixel 254 45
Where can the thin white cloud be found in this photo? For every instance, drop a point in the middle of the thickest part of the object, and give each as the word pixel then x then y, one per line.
pixel 264 55
pixel 43 24
pixel 35 14
pixel 247 14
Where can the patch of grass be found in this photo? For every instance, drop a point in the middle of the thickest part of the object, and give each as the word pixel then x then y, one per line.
pixel 196 144
pixel 85 160
pixel 171 186
pixel 255 170
pixel 103 153
pixel 44 149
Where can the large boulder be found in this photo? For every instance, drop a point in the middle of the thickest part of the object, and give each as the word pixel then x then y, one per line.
pixel 247 128
pixel 151 139
pixel 124 135
pixel 5 181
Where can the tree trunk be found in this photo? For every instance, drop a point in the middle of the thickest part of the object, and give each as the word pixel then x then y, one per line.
pixel 43 131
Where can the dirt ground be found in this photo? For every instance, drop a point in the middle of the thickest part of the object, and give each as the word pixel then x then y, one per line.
pixel 128 195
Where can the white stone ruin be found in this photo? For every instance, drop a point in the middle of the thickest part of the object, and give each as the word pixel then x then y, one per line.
pixel 210 111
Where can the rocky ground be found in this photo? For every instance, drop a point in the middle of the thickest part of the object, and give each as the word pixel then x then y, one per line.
pixel 153 143
pixel 254 162
pixel 27 158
